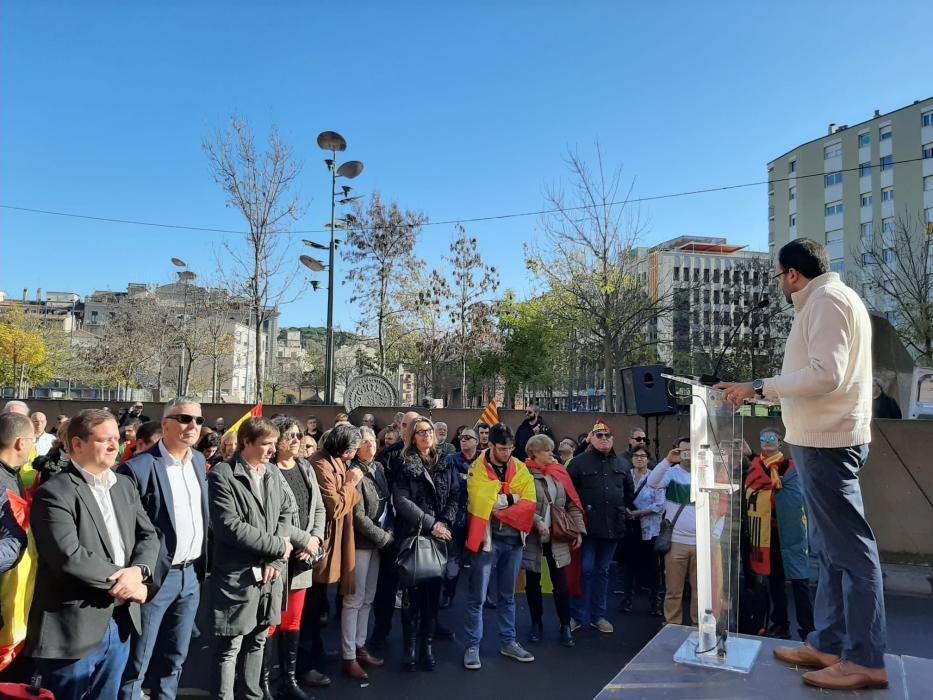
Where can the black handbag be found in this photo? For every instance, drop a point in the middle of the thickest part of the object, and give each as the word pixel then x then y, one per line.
pixel 420 558
pixel 662 545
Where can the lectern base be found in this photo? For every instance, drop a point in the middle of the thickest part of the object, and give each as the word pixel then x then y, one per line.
pixel 740 654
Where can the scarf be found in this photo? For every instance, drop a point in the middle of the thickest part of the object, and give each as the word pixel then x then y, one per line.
pixel 560 475
pixel 761 484
pixel 483 490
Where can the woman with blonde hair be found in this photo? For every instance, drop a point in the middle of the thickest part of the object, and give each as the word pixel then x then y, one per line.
pixel 426 497
pixel 553 489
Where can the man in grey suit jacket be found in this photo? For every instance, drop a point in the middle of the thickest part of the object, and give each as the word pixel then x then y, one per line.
pixel 96 550
pixel 252 520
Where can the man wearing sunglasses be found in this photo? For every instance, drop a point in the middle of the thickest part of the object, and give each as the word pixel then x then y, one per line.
pixel 604 481
pixel 531 426
pixel 825 390
pixel 171 481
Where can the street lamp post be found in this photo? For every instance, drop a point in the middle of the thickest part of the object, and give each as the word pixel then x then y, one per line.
pixel 185 276
pixel 333 142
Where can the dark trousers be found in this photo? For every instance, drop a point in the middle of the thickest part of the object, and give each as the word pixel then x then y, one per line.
pixel 311 647
pixel 777 586
pixel 641 567
pixel 386 589
pixel 96 676
pixel 849 611
pixel 561 591
pixel 238 665
pixel 419 608
pixel 168 620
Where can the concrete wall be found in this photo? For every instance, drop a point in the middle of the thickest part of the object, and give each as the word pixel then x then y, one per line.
pixel 897 481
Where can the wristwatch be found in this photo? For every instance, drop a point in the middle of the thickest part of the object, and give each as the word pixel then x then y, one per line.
pixel 759 386
pixel 146 571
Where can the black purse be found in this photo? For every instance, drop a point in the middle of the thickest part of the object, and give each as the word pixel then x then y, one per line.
pixel 420 558
pixel 662 545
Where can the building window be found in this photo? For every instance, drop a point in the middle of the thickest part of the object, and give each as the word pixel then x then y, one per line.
pixel 864 169
pixel 832 179
pixel 837 266
pixel 832 151
pixel 926 119
pixel 887 194
pixel 706 276
pixel 716 276
pixel 792 166
pixel 726 296
pixel 676 274
pixel 887 226
pixel 929 215
pixel 887 163
pixel 716 296
pixel 792 220
pixel 886 133
pixel 867 232
pixel 864 140
pixel 833 208
pixel 792 194
pixel 834 244
pixel 928 182
pixel 866 200
pixel 889 256
pixel 928 150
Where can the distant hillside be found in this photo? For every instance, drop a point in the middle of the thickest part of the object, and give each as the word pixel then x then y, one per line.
pixel 318 334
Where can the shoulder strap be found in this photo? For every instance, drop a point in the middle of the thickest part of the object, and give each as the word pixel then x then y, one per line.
pixel 677 514
pixel 640 487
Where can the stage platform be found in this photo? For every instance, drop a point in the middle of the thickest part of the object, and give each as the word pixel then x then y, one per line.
pixel 653 675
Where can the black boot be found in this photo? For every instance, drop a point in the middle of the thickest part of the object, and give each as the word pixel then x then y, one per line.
pixel 566 636
pixel 536 631
pixel 288 663
pixel 410 635
pixel 428 624
pixel 264 675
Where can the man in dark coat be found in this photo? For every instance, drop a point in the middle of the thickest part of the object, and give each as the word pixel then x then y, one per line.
pixel 604 481
pixel 531 426
pixel 97 549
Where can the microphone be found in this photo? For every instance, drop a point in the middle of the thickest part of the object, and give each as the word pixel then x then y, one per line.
pixel 713 379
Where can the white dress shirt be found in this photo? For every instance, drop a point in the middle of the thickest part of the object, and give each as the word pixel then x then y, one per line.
pixel 100 487
pixel 186 502
pixel 44 444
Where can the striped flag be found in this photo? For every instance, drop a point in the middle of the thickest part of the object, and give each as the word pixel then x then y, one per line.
pixel 254 412
pixel 491 415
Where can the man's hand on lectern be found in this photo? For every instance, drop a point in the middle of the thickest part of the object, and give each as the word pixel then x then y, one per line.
pixel 736 393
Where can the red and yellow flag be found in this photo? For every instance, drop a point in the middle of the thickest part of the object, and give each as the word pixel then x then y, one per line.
pixel 16 588
pixel 254 412
pixel 483 489
pixel 491 415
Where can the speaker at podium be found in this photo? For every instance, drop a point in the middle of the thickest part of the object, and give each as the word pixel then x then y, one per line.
pixel 646 392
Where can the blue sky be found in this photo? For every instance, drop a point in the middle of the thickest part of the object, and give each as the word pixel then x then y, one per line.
pixel 457 109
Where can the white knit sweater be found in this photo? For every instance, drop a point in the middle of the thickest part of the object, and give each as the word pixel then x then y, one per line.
pixel 826 379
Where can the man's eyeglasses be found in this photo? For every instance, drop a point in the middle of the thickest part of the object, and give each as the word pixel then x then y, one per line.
pixel 186 419
pixel 602 436
pixel 769 438
pixel 642 439
pixel 780 274
pixel 468 437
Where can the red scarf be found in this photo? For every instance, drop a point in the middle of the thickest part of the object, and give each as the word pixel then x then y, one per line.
pixel 556 471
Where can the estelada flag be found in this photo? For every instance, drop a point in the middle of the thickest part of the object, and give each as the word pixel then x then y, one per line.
pixel 16 588
pixel 491 415
pixel 254 412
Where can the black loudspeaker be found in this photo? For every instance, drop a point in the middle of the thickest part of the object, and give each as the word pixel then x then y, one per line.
pixel 646 392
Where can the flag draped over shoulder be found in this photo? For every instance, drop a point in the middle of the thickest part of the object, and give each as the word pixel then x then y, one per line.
pixel 483 489
pixel 254 412
pixel 491 414
pixel 16 588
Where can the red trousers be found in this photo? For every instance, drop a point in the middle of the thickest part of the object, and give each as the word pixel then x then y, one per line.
pixel 291 616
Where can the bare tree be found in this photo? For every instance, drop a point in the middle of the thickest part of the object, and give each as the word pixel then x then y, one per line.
pixel 380 246
pixel 260 186
pixel 469 302
pixel 590 262
pixel 896 265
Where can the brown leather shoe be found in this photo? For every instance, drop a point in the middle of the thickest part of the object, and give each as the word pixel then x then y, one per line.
pixel 352 668
pixel 847 676
pixel 366 659
pixel 805 656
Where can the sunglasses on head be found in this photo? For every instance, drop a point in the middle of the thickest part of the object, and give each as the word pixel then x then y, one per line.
pixel 186 419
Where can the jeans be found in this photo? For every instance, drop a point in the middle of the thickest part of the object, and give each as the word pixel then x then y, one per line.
pixel 239 665
pixel 561 592
pixel 356 606
pixel 849 611
pixel 167 622
pixel 96 676
pixel 506 558
pixel 597 556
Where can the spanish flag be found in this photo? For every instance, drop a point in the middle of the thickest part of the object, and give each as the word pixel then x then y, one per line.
pixel 16 588
pixel 483 489
pixel 491 415
pixel 254 412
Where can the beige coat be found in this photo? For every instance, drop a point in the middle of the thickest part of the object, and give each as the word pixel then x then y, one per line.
pixel 339 501
pixel 531 558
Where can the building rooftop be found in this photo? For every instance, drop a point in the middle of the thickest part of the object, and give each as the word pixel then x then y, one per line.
pixel 700 244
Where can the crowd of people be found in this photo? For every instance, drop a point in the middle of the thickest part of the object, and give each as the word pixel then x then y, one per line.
pixel 134 519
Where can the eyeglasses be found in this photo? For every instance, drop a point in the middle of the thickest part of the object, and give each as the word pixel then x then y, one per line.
pixel 640 456
pixel 780 274
pixel 425 432
pixel 291 435
pixel 468 437
pixel 769 438
pixel 186 419
pixel 602 436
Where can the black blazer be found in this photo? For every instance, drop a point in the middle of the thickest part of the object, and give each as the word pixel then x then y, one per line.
pixel 72 606
pixel 148 473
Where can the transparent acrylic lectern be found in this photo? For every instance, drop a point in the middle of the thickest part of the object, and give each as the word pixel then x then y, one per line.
pixel 716 483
